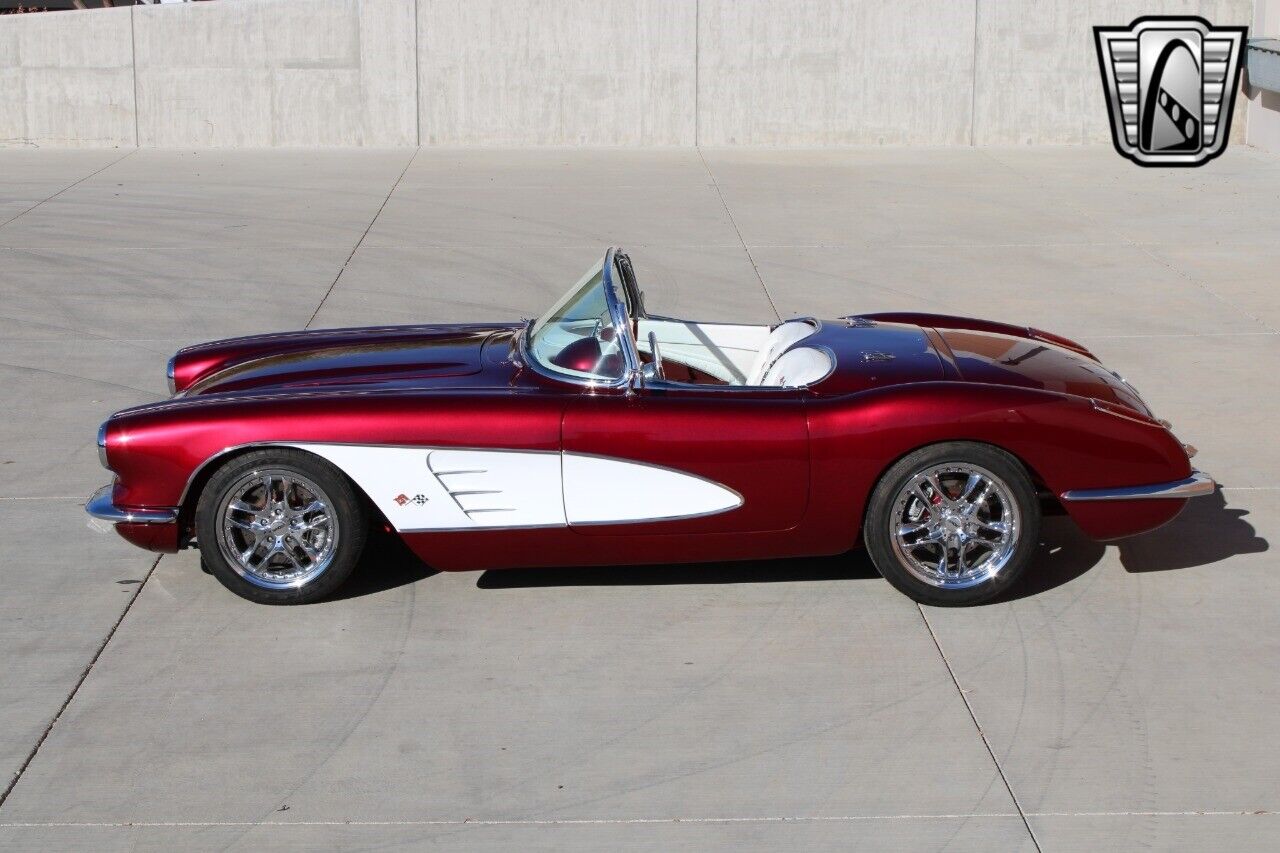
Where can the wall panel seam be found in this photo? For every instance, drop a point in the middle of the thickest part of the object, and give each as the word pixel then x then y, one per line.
pixel 133 53
pixel 973 81
pixel 697 63
pixel 417 78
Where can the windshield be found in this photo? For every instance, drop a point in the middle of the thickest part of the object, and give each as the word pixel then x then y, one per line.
pixel 577 335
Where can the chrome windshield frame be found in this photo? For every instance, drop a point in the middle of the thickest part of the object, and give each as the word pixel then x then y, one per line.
pixel 622 322
pixel 614 286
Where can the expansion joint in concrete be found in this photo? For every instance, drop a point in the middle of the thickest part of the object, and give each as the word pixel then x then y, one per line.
pixel 35 750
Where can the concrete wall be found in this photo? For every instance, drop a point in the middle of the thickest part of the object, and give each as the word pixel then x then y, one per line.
pixel 834 72
pixel 67 78
pixel 1264 107
pixel 565 72
pixel 568 72
pixel 276 72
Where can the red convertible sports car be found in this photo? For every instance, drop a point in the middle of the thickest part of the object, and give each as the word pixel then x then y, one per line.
pixel 601 434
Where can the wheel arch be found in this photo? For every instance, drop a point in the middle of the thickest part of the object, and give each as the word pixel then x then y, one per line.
pixel 204 472
pixel 1037 481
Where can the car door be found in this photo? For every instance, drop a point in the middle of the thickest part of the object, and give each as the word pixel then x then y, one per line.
pixel 680 459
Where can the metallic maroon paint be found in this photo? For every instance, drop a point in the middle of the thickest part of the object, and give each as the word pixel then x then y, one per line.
pixel 804 460
pixel 162 538
pixel 326 356
pixel 947 321
pixel 755 443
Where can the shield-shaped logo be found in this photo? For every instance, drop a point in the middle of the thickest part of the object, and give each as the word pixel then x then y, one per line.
pixel 1170 84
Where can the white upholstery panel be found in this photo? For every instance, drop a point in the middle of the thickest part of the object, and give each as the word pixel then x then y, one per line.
pixel 785 335
pixel 724 350
pixel 798 367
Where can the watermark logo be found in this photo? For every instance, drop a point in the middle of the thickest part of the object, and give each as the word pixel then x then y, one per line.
pixel 1170 84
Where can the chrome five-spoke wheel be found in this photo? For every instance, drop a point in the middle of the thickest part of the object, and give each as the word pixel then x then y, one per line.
pixel 954 525
pixel 278 528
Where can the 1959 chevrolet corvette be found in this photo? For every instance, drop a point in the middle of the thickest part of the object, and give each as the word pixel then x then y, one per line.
pixel 600 434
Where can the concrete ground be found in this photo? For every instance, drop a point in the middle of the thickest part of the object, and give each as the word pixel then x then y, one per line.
pixel 1125 696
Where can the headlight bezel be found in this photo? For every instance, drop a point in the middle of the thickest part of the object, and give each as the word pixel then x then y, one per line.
pixel 102 446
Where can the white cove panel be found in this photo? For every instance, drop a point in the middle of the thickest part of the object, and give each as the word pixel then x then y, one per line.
pixel 425 488
pixel 601 491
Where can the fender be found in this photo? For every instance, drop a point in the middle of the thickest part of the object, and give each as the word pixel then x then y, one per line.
pixel 159 452
pixel 1064 440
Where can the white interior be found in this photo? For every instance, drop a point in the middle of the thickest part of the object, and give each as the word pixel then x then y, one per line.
pixel 725 351
pixel 797 368
pixel 740 355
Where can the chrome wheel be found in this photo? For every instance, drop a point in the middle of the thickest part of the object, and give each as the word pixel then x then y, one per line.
pixel 278 529
pixel 954 525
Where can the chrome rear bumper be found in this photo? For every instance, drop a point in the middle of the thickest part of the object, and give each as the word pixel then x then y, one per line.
pixel 100 506
pixel 1197 485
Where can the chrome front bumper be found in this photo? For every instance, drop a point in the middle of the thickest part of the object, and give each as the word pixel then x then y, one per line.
pixel 1197 485
pixel 100 506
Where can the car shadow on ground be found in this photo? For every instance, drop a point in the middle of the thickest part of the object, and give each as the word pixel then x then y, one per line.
pixel 854 565
pixel 1065 554
pixel 386 563
pixel 1206 532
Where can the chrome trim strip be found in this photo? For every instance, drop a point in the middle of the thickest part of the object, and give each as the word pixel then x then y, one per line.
pixel 479 529
pixel 659 520
pixel 1197 485
pixel 100 506
pixel 571 525
pixel 168 372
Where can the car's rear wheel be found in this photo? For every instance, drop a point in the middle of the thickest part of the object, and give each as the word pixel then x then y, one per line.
pixel 280 526
pixel 953 524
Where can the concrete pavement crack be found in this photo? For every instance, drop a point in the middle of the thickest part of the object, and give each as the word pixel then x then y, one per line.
pixel 729 213
pixel 17 777
pixel 360 242
pixel 67 187
pixel 985 742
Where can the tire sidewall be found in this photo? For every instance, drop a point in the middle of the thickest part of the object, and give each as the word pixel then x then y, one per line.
pixel 876 536
pixel 348 507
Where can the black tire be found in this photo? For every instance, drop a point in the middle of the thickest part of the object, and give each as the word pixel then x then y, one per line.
pixel 346 505
pixel 891 495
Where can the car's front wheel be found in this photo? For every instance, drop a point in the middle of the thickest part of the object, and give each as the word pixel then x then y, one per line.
pixel 953 524
pixel 280 526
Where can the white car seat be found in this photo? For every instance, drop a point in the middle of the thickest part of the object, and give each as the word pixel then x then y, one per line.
pixel 785 335
pixel 798 367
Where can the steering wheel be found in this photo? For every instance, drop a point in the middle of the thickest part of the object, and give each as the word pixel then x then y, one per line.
pixel 657 357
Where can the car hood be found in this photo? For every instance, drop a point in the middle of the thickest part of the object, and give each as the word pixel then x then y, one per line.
pixel 1003 359
pixel 373 358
